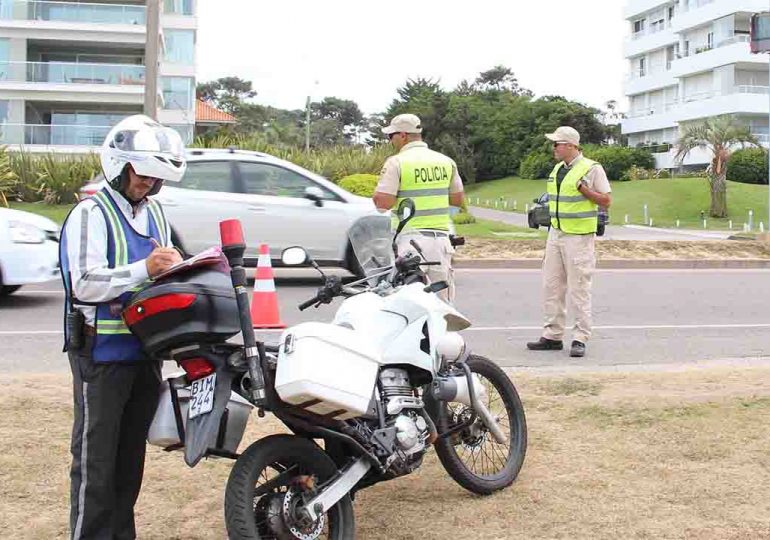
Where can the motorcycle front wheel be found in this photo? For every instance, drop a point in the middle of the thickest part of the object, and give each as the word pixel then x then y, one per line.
pixel 472 457
pixel 267 485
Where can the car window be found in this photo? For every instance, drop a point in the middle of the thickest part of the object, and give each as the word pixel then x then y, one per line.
pixel 207 176
pixel 264 179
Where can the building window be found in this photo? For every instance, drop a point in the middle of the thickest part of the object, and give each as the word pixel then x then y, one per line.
pixel 642 67
pixel 639 26
pixel 178 93
pixel 178 7
pixel 180 46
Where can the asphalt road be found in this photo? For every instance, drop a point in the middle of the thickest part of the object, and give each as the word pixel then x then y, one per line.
pixel 642 317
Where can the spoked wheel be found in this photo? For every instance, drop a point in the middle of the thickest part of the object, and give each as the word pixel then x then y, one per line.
pixel 472 456
pixel 267 488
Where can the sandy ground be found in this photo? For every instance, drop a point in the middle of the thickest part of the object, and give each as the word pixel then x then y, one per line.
pixel 477 248
pixel 622 455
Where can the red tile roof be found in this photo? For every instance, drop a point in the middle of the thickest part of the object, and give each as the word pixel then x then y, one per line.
pixel 206 114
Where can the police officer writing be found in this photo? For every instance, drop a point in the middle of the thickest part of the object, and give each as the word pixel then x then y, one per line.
pixel 576 188
pixel 111 244
pixel 431 180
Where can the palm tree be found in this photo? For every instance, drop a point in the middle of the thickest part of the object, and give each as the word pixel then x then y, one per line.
pixel 720 135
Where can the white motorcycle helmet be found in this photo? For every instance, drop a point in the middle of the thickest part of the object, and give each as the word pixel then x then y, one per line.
pixel 152 150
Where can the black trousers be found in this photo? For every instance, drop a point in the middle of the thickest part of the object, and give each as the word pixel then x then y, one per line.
pixel 114 407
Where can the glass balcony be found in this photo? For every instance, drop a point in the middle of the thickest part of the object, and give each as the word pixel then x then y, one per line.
pixel 43 134
pixel 72 73
pixel 35 10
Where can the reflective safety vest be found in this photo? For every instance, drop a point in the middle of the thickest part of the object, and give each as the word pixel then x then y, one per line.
pixel 425 178
pixel 571 212
pixel 114 341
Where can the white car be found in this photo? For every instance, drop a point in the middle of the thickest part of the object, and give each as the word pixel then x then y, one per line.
pixel 278 203
pixel 29 249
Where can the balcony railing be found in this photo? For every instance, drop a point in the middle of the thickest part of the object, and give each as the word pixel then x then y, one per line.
pixel 45 134
pixel 695 4
pixel 40 10
pixel 699 96
pixel 72 73
pixel 651 30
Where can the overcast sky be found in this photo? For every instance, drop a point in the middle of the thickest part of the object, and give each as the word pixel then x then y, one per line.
pixel 364 50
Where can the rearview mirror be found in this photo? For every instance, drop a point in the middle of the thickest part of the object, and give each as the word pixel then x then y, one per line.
pixel 294 256
pixel 315 194
pixel 405 210
pixel 535 200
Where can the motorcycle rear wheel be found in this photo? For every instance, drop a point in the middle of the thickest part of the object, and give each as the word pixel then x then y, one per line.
pixel 472 457
pixel 271 474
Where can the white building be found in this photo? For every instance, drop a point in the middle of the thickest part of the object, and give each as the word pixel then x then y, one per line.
pixel 70 70
pixel 690 60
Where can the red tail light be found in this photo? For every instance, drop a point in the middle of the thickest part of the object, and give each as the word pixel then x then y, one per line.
pixel 152 306
pixel 196 368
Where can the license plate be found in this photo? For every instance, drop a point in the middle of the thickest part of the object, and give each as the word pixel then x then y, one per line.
pixel 202 396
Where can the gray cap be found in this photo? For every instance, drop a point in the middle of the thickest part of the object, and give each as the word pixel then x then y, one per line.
pixel 403 123
pixel 565 134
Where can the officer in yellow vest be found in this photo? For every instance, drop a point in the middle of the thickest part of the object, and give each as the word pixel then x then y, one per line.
pixel 431 180
pixel 577 188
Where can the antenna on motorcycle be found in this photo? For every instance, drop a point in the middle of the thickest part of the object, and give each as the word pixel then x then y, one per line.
pixel 405 213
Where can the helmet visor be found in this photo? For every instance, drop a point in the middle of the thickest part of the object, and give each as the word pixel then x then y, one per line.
pixel 153 139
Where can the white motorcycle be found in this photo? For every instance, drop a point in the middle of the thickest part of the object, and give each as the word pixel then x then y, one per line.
pixel 387 379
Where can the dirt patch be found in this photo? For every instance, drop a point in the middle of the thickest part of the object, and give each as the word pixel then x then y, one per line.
pixel 477 248
pixel 621 455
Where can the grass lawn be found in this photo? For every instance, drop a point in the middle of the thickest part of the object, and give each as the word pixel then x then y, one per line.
pixel 495 229
pixel 667 200
pixel 56 212
pixel 677 454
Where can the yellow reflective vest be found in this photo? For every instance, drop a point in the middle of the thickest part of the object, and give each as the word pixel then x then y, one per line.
pixel 425 178
pixel 571 212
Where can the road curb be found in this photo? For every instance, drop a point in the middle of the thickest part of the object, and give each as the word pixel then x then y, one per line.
pixel 663 264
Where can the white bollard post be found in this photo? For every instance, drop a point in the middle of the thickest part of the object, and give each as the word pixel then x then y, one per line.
pixel 677 223
pixel 704 224
pixel 650 222
pixel 761 227
pixel 505 205
pixel 626 219
pixel 526 208
pixel 751 220
pixel 646 216
pixel 496 203
pixel 745 228
pixel 515 204
pixel 730 224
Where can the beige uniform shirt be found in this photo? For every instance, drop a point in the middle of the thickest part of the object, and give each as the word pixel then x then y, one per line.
pixel 390 176
pixel 596 177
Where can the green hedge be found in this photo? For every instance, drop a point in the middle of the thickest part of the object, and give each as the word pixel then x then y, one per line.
pixel 617 160
pixel 52 178
pixel 536 165
pixel 748 166
pixel 359 184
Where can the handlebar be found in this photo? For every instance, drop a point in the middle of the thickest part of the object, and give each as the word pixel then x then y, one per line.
pixel 304 305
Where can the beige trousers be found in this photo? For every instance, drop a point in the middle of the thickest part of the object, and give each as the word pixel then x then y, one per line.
pixel 435 249
pixel 568 266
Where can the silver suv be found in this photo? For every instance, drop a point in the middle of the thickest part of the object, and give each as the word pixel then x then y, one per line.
pixel 278 203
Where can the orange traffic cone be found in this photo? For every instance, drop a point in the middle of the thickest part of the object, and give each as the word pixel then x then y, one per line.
pixel 264 303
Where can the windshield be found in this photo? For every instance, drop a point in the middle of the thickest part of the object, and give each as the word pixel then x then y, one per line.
pixel 372 242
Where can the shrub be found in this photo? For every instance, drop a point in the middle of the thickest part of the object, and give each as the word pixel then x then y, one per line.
pixel 51 178
pixel 9 180
pixel 463 218
pixel 617 160
pixel 536 165
pixel 748 166
pixel 638 173
pixel 359 184
pixel 333 163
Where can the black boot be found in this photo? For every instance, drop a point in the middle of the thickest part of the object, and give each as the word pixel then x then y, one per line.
pixel 544 344
pixel 578 349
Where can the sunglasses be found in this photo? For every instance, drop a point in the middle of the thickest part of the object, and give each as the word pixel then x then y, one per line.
pixel 559 144
pixel 391 135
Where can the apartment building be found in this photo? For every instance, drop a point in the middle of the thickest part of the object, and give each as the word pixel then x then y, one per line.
pixel 69 71
pixel 690 60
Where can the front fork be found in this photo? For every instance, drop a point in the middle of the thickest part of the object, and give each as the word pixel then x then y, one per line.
pixel 468 390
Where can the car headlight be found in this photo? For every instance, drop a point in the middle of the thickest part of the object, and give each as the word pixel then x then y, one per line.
pixel 25 233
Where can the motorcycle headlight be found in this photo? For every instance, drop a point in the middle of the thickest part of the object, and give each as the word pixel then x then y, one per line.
pixel 26 233
pixel 451 346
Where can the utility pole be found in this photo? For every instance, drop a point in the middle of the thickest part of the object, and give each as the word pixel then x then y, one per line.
pixel 307 125
pixel 152 59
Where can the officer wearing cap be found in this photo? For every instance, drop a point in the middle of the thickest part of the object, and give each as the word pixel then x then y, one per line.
pixel 577 187
pixel 431 180
pixel 111 244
